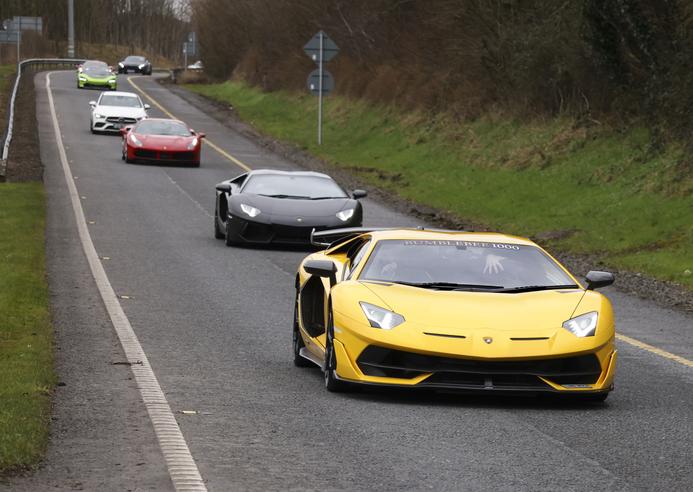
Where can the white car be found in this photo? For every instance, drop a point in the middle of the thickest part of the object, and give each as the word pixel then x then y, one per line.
pixel 116 110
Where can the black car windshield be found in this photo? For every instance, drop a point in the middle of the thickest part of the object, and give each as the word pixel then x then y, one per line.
pixel 298 187
pixel 134 59
pixel 121 101
pixel 464 265
pixel 167 128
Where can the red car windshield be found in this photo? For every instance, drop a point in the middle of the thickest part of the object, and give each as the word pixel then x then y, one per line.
pixel 167 128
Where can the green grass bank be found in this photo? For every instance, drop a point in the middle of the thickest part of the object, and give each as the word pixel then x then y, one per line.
pixel 26 366
pixel 593 188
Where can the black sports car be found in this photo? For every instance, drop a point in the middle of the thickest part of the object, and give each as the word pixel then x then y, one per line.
pixel 267 206
pixel 138 64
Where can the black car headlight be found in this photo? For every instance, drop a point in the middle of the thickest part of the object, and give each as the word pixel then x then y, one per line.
pixel 345 215
pixel 584 325
pixel 249 210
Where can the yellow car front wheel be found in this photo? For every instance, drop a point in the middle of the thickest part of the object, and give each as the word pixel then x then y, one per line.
pixel 330 370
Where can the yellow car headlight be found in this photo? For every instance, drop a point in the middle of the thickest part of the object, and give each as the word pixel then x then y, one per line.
pixel 381 318
pixel 584 325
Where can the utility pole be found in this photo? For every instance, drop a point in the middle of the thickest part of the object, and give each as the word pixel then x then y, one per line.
pixel 70 28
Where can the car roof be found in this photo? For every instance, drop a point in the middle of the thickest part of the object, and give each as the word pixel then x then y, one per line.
pixel 437 235
pixel 278 172
pixel 94 62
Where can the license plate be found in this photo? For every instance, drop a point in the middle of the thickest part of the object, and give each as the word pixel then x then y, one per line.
pixel 117 126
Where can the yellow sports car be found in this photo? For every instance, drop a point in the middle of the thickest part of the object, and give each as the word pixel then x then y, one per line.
pixel 455 310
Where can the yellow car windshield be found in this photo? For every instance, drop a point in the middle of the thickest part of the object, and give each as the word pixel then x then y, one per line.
pixel 464 264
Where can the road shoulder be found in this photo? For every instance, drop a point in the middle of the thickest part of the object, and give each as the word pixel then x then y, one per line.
pixel 101 436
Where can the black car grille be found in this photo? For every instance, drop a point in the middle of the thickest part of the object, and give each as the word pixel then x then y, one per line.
pixel 164 156
pixel 449 371
pixel 146 154
pixel 118 119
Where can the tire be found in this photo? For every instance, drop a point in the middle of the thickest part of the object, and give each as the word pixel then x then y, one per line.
pixel 122 154
pixel 332 384
pixel 91 129
pixel 195 164
pixel 218 233
pixel 228 237
pixel 127 159
pixel 297 341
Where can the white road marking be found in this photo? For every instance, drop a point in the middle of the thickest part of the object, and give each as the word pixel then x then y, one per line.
pixel 181 465
pixel 204 211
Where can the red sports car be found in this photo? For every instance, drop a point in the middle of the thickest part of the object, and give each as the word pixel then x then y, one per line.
pixel 161 140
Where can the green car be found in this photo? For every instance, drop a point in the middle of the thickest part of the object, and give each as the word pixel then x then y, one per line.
pixel 96 74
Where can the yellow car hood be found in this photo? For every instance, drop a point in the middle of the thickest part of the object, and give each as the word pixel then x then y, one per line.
pixel 538 313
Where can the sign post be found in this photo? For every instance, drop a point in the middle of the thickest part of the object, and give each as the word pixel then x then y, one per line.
pixel 320 49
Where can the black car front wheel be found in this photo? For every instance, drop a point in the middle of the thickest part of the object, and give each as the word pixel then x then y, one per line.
pixel 230 238
pixel 218 233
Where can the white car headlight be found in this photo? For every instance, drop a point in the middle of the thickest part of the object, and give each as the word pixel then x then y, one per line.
pixel 582 326
pixel 97 115
pixel 193 144
pixel 345 215
pixel 251 211
pixel 381 318
pixel 134 140
pixel 120 64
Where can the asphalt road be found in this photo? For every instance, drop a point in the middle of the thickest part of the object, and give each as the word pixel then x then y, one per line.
pixel 215 323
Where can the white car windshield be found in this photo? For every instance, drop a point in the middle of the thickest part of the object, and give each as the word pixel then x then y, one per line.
pixel 464 265
pixel 298 187
pixel 119 100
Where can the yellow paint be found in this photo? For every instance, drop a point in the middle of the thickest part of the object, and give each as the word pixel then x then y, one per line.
pixel 221 151
pixel 654 350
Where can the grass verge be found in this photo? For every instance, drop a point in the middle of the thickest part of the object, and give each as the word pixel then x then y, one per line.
pixel 591 188
pixel 26 369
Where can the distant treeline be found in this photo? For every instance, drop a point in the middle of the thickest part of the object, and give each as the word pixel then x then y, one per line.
pixel 156 26
pixel 591 57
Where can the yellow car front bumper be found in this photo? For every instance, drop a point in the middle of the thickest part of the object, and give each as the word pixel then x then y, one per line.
pixel 368 361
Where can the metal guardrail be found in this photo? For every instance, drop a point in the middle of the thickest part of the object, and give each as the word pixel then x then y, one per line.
pixel 7 137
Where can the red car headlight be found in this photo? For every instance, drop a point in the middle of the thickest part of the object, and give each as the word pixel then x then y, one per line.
pixel 135 140
pixel 193 143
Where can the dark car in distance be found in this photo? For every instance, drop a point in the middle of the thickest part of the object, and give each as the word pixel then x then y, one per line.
pixel 137 64
pixel 268 206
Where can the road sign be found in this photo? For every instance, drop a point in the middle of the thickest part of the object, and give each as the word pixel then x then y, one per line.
pixel 188 48
pixel 314 82
pixel 9 37
pixel 312 48
pixel 23 23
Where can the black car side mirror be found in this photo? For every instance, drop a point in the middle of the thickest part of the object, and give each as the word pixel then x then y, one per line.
pixel 596 279
pixel 359 194
pixel 322 268
pixel 224 187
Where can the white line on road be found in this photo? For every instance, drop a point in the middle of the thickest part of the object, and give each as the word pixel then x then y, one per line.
pixel 181 465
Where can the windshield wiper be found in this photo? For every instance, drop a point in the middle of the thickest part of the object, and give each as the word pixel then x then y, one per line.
pixel 532 288
pixel 298 197
pixel 451 286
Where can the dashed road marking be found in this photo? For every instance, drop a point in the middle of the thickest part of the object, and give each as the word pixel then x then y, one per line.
pixel 179 461
pixel 221 151
pixel 654 350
